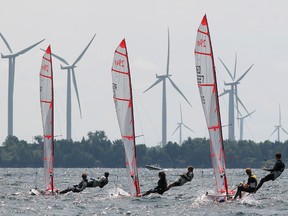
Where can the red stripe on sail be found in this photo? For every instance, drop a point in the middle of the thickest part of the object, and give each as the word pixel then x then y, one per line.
pixel 49 77
pixel 121 72
pixel 123 54
pixel 202 32
pixel 128 137
pixel 201 53
pixel 122 99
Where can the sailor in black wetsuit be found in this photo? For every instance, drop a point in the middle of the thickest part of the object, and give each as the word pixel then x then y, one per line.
pixel 161 185
pixel 249 187
pixel 77 188
pixel 188 176
pixel 100 182
pixel 275 172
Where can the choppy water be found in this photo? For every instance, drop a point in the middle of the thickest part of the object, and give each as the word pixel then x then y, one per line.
pixel 271 199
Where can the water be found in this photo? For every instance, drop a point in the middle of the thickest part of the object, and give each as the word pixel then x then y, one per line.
pixel 271 199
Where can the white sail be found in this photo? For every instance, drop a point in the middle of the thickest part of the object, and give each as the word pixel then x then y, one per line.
pixel 46 102
pixel 207 83
pixel 122 94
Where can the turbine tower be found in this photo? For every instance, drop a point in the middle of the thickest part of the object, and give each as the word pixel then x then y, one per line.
pixel 180 127
pixel 233 93
pixel 11 70
pixel 278 127
pixel 162 78
pixel 70 69
pixel 241 119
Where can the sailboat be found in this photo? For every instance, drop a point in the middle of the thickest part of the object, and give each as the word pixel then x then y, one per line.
pixel 207 84
pixel 47 112
pixel 123 100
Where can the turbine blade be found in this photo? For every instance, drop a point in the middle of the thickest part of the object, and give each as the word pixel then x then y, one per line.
pixel 155 83
pixel 176 129
pixel 241 103
pixel 5 41
pixel 224 92
pixel 188 128
pixel 284 130
pixel 83 52
pixel 226 69
pixel 168 55
pixel 76 90
pixel 181 114
pixel 249 114
pixel 279 115
pixel 174 85
pixel 58 57
pixel 241 77
pixel 274 131
pixel 235 66
pixel 236 93
pixel 28 48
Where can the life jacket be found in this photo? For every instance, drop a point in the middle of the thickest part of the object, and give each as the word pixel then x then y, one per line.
pixel 103 183
pixel 253 184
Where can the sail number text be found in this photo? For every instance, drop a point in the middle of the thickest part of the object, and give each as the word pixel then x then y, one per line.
pixel 200 78
pixel 114 87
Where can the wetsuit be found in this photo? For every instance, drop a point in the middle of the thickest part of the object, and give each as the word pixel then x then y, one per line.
pixel 252 184
pixel 182 180
pixel 100 182
pixel 275 172
pixel 160 189
pixel 76 188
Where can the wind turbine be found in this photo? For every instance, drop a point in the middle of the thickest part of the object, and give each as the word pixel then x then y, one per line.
pixel 233 92
pixel 241 119
pixel 11 69
pixel 278 127
pixel 162 78
pixel 180 127
pixel 70 69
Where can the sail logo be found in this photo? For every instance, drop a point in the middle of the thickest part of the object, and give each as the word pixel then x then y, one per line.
pixel 45 67
pixel 119 62
pixel 201 43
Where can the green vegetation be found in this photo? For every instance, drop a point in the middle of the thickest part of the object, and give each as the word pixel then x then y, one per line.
pixel 98 151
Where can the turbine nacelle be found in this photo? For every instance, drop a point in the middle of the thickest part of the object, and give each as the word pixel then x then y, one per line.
pixel 8 56
pixel 232 83
pixel 163 76
pixel 68 67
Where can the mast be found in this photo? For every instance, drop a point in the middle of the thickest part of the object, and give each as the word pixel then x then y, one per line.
pixel 47 111
pixel 207 83
pixel 122 94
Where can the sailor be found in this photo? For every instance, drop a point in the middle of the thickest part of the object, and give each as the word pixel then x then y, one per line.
pixel 77 188
pixel 185 177
pixel 161 185
pixel 99 182
pixel 275 172
pixel 249 187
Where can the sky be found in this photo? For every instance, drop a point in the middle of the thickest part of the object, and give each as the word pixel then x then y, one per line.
pixel 256 30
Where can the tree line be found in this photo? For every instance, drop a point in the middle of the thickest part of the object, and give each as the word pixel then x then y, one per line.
pixel 98 151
